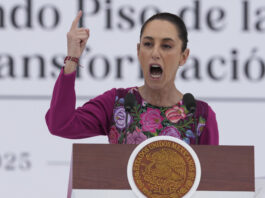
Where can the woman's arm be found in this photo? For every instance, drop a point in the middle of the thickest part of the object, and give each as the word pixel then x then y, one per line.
pixel 92 119
pixel 62 118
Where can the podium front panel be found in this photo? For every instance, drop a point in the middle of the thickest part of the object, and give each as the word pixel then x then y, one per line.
pixel 104 166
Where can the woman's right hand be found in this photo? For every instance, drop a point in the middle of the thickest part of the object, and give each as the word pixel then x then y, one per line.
pixel 76 43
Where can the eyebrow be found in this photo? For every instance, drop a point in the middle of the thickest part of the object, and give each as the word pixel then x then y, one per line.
pixel 164 39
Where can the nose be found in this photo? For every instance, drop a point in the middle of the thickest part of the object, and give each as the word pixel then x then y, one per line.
pixel 155 53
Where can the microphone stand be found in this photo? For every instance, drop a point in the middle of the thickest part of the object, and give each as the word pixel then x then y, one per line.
pixel 190 102
pixel 195 129
pixel 193 111
pixel 125 130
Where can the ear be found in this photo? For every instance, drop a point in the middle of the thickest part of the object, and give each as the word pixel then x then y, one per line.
pixel 138 49
pixel 184 57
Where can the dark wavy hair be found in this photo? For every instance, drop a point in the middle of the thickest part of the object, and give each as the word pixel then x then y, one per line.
pixel 176 21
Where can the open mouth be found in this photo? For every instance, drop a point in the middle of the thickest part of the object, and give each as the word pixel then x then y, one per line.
pixel 156 71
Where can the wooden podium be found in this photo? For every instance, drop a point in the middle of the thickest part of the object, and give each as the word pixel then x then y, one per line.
pixel 104 167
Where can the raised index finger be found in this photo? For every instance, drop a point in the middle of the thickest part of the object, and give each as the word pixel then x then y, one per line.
pixel 76 20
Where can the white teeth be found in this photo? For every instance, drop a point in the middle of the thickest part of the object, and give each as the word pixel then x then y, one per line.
pixel 156 66
pixel 155 75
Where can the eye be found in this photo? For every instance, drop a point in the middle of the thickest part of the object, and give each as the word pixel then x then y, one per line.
pixel 166 46
pixel 147 44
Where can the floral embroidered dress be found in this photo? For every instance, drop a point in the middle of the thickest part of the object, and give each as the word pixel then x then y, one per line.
pixel 105 115
pixel 146 120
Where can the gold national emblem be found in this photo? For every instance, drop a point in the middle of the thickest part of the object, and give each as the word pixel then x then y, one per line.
pixel 164 169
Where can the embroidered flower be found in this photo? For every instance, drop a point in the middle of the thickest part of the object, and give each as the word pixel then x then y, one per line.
pixel 175 113
pixel 151 120
pixel 171 131
pixel 144 103
pixel 113 135
pixel 136 137
pixel 189 134
pixel 120 116
pixel 200 128
pixel 137 129
pixel 180 102
pixel 121 100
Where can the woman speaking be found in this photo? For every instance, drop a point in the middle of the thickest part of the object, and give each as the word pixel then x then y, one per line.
pixel 131 115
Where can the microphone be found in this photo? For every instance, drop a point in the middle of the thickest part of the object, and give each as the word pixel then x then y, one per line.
pixel 129 102
pixel 190 102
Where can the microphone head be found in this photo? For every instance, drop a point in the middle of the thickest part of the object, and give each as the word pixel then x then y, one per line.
pixel 190 102
pixel 129 102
